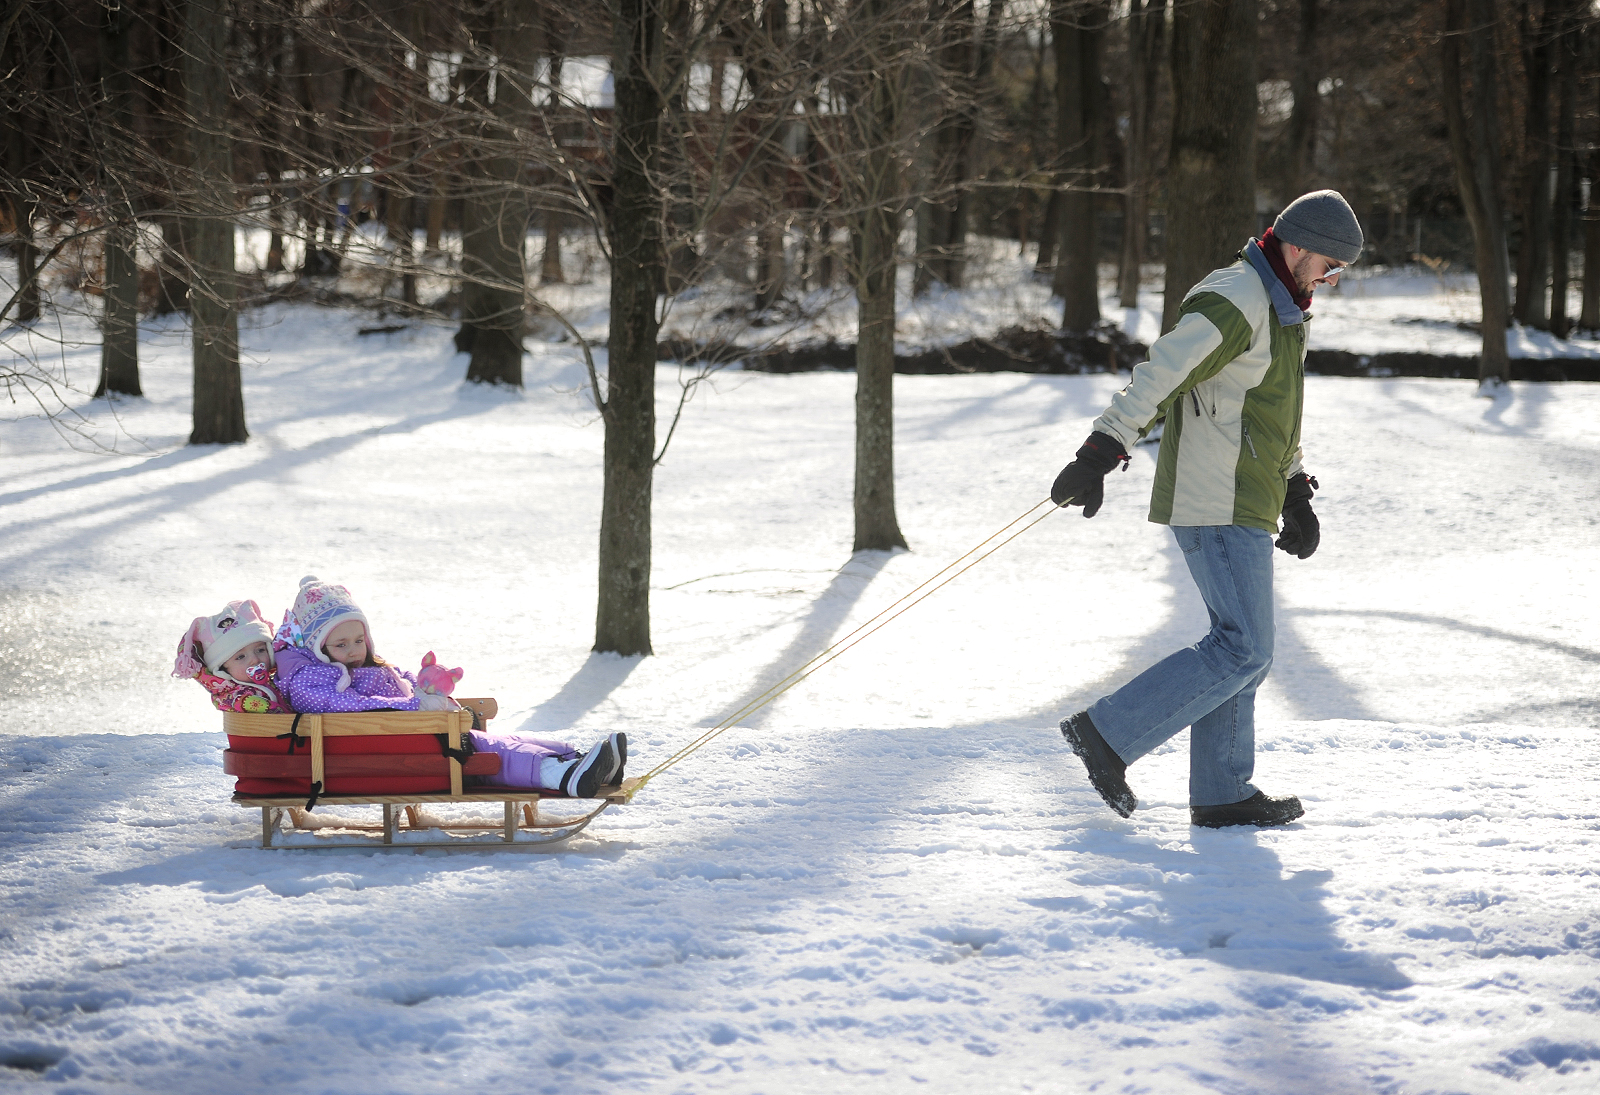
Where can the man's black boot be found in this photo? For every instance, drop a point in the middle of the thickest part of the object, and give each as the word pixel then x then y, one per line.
pixel 1106 769
pixel 1258 809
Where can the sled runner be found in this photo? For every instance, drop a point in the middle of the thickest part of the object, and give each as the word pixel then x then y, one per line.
pixel 289 765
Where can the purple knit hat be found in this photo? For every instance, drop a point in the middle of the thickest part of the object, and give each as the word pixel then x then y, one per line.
pixel 320 607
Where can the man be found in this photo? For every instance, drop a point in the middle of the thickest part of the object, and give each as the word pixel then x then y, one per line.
pixel 1230 379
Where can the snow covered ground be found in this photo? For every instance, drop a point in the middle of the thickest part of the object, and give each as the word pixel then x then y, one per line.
pixel 896 877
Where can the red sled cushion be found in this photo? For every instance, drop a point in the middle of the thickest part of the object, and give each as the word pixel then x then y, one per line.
pixel 375 745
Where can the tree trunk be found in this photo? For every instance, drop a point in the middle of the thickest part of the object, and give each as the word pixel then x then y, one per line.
pixel 1476 153
pixel 1568 49
pixel 1044 262
pixel 771 269
pixel 968 145
pixel 1076 27
pixel 269 43
pixel 1533 254
pixel 1146 30
pixel 400 205
pixel 876 231
pixel 173 263
pixel 18 193
pixel 436 208
pixel 1589 316
pixel 877 527
pixel 213 315
pixel 1211 171
pixel 622 620
pixel 400 216
pixel 1302 137
pixel 495 213
pixel 119 327
pixel 550 258
pixel 762 40
pixel 950 44
pixel 275 219
pixel 28 306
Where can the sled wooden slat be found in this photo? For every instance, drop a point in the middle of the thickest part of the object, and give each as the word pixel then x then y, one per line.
pixel 350 724
pixel 520 811
pixel 319 766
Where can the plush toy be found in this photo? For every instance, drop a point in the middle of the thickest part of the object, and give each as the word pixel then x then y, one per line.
pixel 436 679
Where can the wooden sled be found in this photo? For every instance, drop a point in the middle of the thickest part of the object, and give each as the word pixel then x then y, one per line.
pixel 521 826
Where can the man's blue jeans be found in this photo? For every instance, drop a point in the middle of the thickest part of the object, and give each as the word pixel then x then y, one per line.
pixel 1210 686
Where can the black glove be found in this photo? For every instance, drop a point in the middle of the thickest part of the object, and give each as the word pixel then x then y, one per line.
pixel 1082 482
pixel 1302 532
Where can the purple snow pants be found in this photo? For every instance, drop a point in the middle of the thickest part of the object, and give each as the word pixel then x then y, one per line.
pixel 520 758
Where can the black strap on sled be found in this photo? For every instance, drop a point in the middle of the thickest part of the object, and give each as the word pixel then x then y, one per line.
pixel 458 755
pixel 294 738
pixel 316 793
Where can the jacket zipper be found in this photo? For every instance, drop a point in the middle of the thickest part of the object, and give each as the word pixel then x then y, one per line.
pixel 1246 427
pixel 1195 396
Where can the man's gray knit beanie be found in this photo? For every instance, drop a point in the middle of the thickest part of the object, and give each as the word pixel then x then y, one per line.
pixel 1321 221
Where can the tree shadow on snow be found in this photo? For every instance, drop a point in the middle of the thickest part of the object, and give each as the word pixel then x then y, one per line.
pixel 1035 401
pixel 1545 646
pixel 273 463
pixel 1184 625
pixel 1531 398
pixel 822 623
pixel 598 677
pixel 1306 681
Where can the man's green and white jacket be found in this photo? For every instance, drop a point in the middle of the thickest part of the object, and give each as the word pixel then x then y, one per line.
pixel 1230 378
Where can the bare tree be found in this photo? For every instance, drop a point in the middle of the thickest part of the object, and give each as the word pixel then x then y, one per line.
pixel 1569 53
pixel 622 622
pixel 869 150
pixel 1076 28
pixel 119 324
pixel 1535 34
pixel 1211 169
pixel 1303 116
pixel 1147 21
pixel 495 206
pixel 555 36
pixel 1589 315
pixel 1475 149
pixel 213 296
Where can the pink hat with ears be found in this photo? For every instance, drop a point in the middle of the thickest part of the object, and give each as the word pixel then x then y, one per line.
pixel 212 640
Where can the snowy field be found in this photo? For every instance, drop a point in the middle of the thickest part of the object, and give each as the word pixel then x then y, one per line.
pixel 894 879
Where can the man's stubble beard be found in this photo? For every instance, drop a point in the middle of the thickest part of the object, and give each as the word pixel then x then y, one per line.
pixel 1302 274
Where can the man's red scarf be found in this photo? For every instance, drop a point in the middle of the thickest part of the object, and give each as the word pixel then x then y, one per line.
pixel 1272 247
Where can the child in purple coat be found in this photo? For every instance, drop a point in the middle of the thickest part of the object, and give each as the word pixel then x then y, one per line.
pixel 326 663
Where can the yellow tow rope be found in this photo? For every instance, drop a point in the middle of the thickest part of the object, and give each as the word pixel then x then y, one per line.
pixel 978 554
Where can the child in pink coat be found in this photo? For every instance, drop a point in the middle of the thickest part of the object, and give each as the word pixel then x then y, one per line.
pixel 326 662
pixel 230 654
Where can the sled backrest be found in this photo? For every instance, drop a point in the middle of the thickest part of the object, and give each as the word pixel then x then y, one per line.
pixel 451 724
